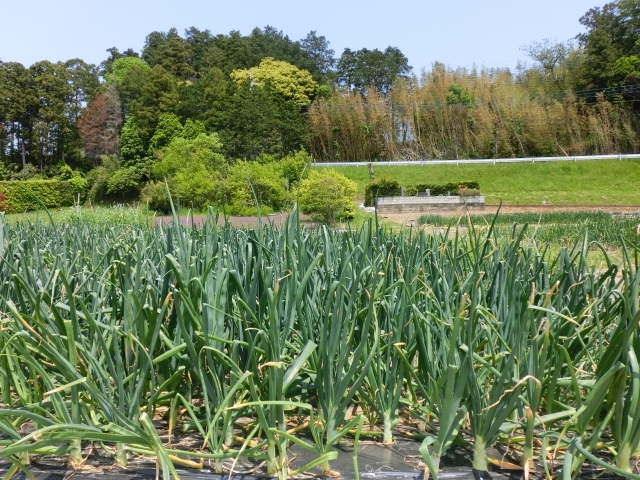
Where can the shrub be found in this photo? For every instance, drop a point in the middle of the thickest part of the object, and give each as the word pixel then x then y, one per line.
pixel 246 179
pixel 380 188
pixel 295 167
pixel 468 192
pixel 125 181
pixel 189 166
pixel 97 178
pixel 194 187
pixel 246 211
pixel 185 154
pixel 25 196
pixel 444 189
pixel 29 172
pixel 156 196
pixel 5 171
pixel 326 194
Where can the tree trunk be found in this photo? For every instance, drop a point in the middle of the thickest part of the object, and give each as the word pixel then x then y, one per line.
pixel 24 154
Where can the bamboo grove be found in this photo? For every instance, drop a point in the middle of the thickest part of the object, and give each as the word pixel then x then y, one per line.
pixel 253 341
pixel 484 113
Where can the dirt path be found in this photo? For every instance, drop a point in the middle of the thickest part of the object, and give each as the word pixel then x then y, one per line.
pixel 412 218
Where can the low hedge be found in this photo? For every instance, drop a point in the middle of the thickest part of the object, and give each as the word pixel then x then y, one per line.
pixel 24 196
pixel 444 189
pixel 391 188
pixel 380 188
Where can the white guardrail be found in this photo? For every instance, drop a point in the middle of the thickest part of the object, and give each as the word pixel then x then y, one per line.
pixel 398 163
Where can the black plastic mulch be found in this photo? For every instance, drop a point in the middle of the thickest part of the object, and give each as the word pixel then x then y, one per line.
pixel 375 462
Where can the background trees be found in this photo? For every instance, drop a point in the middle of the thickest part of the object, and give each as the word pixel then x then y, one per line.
pixel 611 33
pixel 40 108
pixel 266 95
pixel 372 68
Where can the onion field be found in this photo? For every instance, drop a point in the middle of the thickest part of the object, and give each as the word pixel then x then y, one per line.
pixel 602 229
pixel 251 341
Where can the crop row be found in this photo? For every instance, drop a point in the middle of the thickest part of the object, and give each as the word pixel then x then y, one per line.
pixel 559 228
pixel 256 340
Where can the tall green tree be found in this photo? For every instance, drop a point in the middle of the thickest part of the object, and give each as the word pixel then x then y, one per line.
pixel 52 126
pixel 125 66
pixel 204 53
pixel 130 75
pixel 372 68
pixel 192 129
pixel 169 127
pixel 271 42
pixel 255 120
pixel 170 51
pixel 157 95
pixel 291 82
pixel 106 65
pixel 612 32
pixel 201 99
pixel 18 110
pixel 322 57
pixel 84 84
pixel 131 147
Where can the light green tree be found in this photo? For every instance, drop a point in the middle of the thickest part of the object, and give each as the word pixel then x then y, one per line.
pixel 292 82
pixel 294 167
pixel 456 95
pixel 626 70
pixel 327 195
pixel 131 146
pixel 121 66
pixel 192 128
pixel 190 167
pixel 247 182
pixel 168 128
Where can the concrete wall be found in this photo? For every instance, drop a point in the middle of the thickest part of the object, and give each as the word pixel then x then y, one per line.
pixel 428 204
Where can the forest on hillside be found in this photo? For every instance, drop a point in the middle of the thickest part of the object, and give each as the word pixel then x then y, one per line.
pixel 199 107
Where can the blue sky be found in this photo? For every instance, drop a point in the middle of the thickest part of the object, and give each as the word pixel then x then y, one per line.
pixel 459 33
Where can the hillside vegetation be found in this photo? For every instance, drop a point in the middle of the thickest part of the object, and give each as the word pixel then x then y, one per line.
pixel 207 111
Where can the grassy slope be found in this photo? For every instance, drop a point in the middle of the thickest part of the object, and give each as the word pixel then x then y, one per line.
pixel 602 182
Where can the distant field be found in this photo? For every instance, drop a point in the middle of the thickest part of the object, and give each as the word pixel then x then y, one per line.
pixel 601 182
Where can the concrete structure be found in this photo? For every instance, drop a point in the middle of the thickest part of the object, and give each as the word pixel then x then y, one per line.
pixel 428 204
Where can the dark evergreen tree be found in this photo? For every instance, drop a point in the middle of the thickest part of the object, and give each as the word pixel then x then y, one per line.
pixel 171 52
pixel 372 68
pixel 257 120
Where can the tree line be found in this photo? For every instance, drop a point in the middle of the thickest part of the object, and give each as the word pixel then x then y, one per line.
pixel 264 94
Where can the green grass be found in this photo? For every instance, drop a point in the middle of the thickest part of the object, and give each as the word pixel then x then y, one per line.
pixel 87 215
pixel 556 230
pixel 603 182
pixel 37 216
